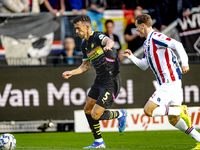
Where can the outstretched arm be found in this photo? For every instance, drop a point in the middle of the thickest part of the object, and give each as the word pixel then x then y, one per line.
pixel 109 44
pixel 141 63
pixel 85 66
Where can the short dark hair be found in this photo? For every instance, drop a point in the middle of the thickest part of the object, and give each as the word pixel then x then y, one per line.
pixel 107 21
pixel 82 18
pixel 144 18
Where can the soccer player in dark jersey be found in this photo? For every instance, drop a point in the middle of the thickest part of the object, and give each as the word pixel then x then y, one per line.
pixel 98 49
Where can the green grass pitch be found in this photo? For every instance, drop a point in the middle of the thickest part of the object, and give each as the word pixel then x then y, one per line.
pixel 144 140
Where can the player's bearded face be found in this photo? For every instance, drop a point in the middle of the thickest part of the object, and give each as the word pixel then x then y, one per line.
pixel 80 29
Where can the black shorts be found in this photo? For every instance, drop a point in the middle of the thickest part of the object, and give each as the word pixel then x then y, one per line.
pixel 105 93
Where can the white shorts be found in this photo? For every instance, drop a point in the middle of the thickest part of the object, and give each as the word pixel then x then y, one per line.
pixel 168 94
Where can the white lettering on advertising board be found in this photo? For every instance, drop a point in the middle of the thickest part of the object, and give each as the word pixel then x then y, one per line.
pixel 76 96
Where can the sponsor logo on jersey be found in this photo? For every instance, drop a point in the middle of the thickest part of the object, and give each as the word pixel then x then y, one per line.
pixel 95 53
pixel 92 45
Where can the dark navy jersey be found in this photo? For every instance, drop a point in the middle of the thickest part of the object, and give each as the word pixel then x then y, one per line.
pixel 106 64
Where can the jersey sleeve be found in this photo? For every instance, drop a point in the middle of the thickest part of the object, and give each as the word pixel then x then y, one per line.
pixel 141 63
pixel 100 38
pixel 162 40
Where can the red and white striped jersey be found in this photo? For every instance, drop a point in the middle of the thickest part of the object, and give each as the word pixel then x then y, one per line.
pixel 159 55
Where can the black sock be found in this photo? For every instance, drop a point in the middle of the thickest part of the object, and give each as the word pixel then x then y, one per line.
pixel 108 114
pixel 94 126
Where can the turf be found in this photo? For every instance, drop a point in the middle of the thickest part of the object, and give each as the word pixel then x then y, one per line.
pixel 145 140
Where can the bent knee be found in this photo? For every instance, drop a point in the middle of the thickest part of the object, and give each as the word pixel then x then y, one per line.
pixel 149 108
pixel 148 111
pixel 95 116
pixel 87 110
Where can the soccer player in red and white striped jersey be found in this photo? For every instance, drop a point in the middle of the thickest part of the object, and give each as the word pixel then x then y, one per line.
pixel 159 55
